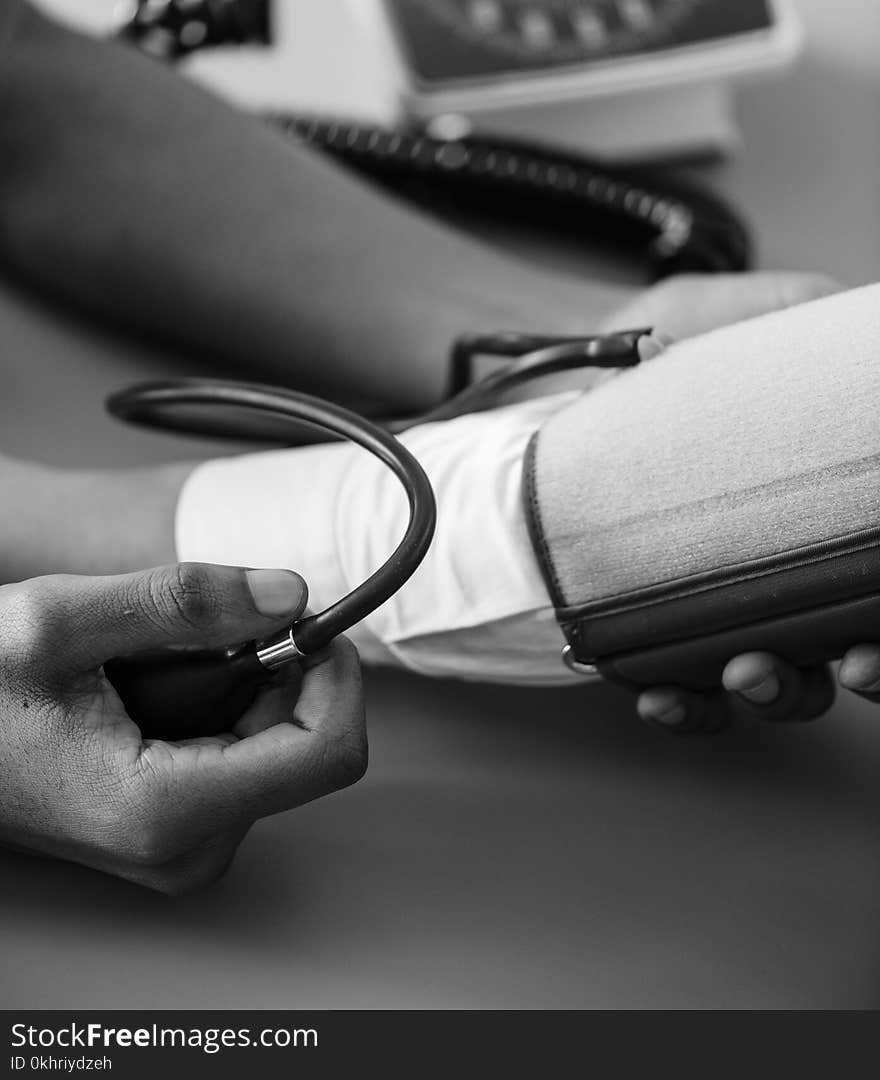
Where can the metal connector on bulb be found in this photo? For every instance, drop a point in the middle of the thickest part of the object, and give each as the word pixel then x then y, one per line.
pixel 275 652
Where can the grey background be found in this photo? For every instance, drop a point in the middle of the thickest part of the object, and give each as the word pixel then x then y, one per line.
pixel 510 848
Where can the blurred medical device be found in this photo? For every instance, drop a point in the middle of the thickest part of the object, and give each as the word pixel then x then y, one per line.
pixel 619 79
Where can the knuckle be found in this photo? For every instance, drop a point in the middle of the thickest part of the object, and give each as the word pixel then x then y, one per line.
pixel 345 760
pixel 148 844
pixel 192 875
pixel 184 594
pixel 34 620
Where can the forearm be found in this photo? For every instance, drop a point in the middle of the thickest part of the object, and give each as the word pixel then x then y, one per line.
pixel 82 522
pixel 138 197
pixel 477 605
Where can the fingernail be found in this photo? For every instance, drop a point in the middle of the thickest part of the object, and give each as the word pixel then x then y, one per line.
pixel 671 718
pixel 277 593
pixel 652 345
pixel 855 675
pixel 764 692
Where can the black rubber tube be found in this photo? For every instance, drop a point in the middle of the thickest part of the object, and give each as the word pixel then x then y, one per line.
pixel 154 404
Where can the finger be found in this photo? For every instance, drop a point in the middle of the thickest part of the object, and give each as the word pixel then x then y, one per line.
pixel 860 671
pixel 274 705
pixel 777 691
pixel 183 604
pixel 323 746
pixel 194 870
pixel 682 711
pixel 652 345
pixel 224 739
pixel 692 304
pixel 310 748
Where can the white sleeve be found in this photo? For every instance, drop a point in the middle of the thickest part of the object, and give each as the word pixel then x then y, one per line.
pixel 477 608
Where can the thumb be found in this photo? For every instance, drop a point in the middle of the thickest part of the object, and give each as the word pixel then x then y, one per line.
pixel 181 604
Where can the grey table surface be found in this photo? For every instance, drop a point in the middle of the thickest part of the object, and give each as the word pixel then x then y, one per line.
pixel 509 848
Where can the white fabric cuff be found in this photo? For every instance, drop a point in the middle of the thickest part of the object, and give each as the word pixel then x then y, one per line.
pixel 477 607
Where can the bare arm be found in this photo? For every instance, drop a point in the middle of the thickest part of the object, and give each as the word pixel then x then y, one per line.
pixel 111 521
pixel 85 521
pixel 138 197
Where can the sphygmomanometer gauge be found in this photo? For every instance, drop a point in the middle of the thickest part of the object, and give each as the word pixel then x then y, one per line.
pixel 560 31
pixel 475 40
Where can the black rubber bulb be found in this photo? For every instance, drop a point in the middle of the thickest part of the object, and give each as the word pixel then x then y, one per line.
pixel 179 694
pixel 186 693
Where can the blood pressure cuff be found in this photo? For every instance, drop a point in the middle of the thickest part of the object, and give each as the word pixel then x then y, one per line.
pixel 722 498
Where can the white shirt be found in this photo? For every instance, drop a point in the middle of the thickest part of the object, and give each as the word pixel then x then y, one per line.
pixel 477 607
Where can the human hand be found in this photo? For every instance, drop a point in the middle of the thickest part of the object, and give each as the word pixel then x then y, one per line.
pixel 693 304
pixel 765 686
pixel 78 781
pixel 685 306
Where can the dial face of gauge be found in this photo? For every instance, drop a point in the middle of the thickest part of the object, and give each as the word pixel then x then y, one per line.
pixel 462 39
pixel 559 28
